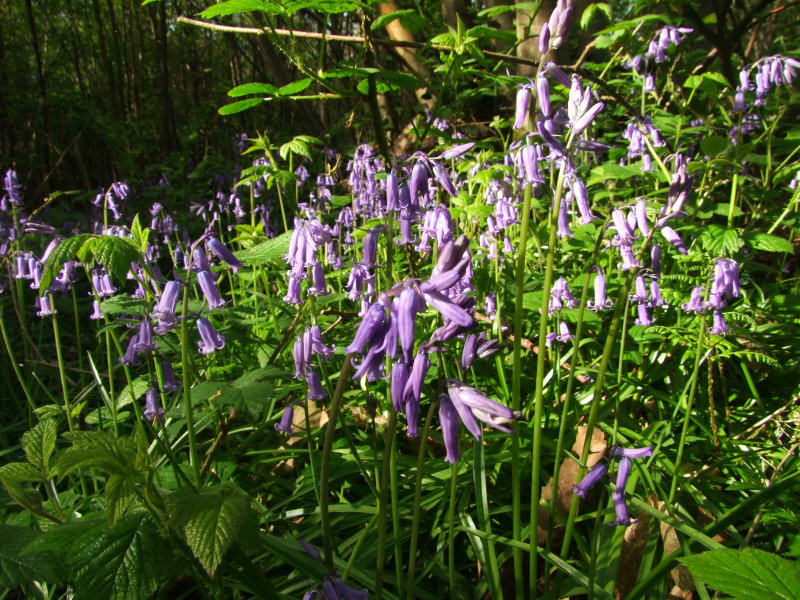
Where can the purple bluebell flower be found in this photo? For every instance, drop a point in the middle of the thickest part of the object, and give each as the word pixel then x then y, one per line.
pixel 398 385
pixel 561 297
pixel 293 291
pixel 725 284
pixel 640 293
pixel 582 200
pixel 144 338
pixel 209 287
pixel 563 221
pixel 523 102
pixel 13 187
pixel 628 259
pixel 102 283
pixel 315 390
pixel 164 310
pixel 558 24
pixel 448 309
pixel 472 405
pixel 562 336
pixel 407 308
pixel 97 313
pixel 618 452
pixel 168 374
pixel 719 326
pixel 695 303
pixel 153 410
pixel 129 358
pixel 371 326
pixel 335 589
pixel 451 428
pixel 210 339
pixel 595 474
pixel 600 301
pixel 655 260
pixel 319 286
pixel 412 391
pixel 284 425
pixel 643 319
pixel 457 151
pixel 44 305
pixel 222 252
pixel 618 495
pixel 309 549
pixel 655 295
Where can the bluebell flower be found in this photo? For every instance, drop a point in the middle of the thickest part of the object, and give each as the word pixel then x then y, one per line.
pixel 284 425
pixel 595 474
pixel 472 405
pixel 210 339
pixel 153 410
pixel 222 252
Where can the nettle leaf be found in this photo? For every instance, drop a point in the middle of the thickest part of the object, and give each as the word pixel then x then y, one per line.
pixel 99 450
pixel 39 444
pixel 116 254
pixel 768 242
pixel 141 236
pixel 747 574
pixel 17 564
pixel 232 7
pixel 67 250
pixel 210 520
pixel 126 562
pixel 21 471
pixel 265 252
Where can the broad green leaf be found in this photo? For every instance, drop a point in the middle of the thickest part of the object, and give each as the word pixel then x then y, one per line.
pixel 588 14
pixel 253 88
pixel 713 145
pixel 232 7
pixel 768 242
pixel 39 444
pixel 323 6
pixel 100 450
pixel 237 107
pixel 125 562
pixel 384 20
pixel 116 254
pixel 266 251
pixel 747 574
pixel 720 240
pixel 17 565
pixel 141 236
pixel 21 471
pixel 125 397
pixel 124 304
pixel 295 146
pixel 483 32
pixel 210 520
pixel 67 250
pixel 611 170
pixel 295 87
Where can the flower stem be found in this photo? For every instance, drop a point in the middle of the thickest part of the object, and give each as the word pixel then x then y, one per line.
pixel 62 374
pixel 383 500
pixel 187 392
pixel 516 396
pixel 327 449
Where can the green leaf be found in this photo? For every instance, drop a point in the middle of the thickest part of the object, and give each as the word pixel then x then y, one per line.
pixel 210 520
pixel 768 242
pixel 237 107
pixel 713 145
pixel 588 14
pixel 17 565
pixel 116 254
pixel 267 251
pixel 65 251
pixel 295 87
pixel 124 304
pixel 141 237
pixel 384 20
pixel 100 450
pixel 125 397
pixel 718 239
pixel 747 574
pixel 39 444
pixel 21 471
pixel 232 7
pixel 295 146
pixel 125 562
pixel 253 88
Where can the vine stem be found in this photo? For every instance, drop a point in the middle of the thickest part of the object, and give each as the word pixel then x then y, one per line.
pixel 324 477
pixel 516 397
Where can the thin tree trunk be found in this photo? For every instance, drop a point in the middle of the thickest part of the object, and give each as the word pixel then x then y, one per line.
pixel 45 148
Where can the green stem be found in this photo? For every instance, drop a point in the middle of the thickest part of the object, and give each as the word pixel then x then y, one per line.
pixel 484 519
pixel 451 532
pixel 383 500
pixel 62 374
pixel 22 383
pixel 327 449
pixel 687 418
pixel 415 511
pixel 516 396
pixel 188 410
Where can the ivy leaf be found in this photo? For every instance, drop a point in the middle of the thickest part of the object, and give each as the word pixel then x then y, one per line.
pixel 125 562
pixel 17 565
pixel 67 250
pixel 210 520
pixel 747 574
pixel 266 251
pixel 116 254
pixel 39 444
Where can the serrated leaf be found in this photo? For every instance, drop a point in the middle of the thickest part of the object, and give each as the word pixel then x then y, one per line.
pixel 67 250
pixel 265 252
pixel 125 562
pixel 768 242
pixel 747 574
pixel 295 146
pixel 141 236
pixel 39 444
pixel 116 254
pixel 17 565
pixel 252 88
pixel 100 450
pixel 21 471
pixel 719 240
pixel 210 521
pixel 237 107
pixel 123 304
pixel 232 7
pixel 125 397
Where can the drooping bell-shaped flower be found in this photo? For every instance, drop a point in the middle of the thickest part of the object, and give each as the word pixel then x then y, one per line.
pixel 210 339
pixel 222 252
pixel 472 405
pixel 451 428
pixel 153 410
pixel 595 474
pixel 209 287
